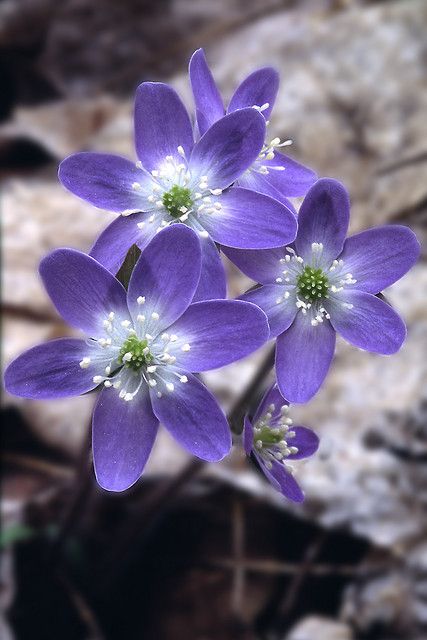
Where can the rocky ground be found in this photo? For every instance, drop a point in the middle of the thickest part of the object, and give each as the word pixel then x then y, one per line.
pixel 353 99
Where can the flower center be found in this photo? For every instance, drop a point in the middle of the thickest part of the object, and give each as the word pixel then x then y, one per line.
pixel 272 440
pixel 135 353
pixel 312 284
pixel 177 200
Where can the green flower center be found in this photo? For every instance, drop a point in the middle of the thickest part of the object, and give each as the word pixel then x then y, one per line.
pixel 268 436
pixel 312 284
pixel 135 353
pixel 177 200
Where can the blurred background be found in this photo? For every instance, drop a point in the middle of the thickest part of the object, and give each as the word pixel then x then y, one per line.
pixel 211 552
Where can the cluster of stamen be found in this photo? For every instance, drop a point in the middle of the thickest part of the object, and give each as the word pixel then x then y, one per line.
pixel 268 150
pixel 135 353
pixel 175 191
pixel 312 284
pixel 271 437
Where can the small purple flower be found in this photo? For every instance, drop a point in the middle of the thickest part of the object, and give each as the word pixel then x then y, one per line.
pixel 143 346
pixel 272 173
pixel 274 442
pixel 177 181
pixel 324 283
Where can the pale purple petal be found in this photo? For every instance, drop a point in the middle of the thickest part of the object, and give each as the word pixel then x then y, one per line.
pixel 250 220
pixel 51 370
pixel 123 435
pixel 114 242
pixel 208 101
pixel 280 312
pixel 228 148
pixel 303 357
pixel 282 480
pixel 192 415
pixel 263 266
pixel 270 397
pixel 166 275
pixel 258 89
pixel 103 180
pixel 248 436
pixel 379 257
pixel 82 290
pixel 323 218
pixel 162 125
pixel 213 283
pixel 253 180
pixel 292 179
pixel 306 441
pixel 367 322
pixel 218 332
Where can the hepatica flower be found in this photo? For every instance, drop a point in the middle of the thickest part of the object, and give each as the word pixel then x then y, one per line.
pixel 323 284
pixel 143 347
pixel 177 181
pixel 275 443
pixel 271 172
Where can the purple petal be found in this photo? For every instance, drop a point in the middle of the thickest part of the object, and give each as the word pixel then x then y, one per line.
pixel 323 218
pixel 303 357
pixel 114 242
pixel 212 284
pixel 192 415
pixel 228 148
pixel 123 435
pixel 248 436
pixel 208 101
pixel 293 180
pixel 103 180
pixel 166 275
pixel 161 125
pixel 82 290
pixel 256 182
pixel 306 442
pixel 263 265
pixel 280 312
pixel 370 324
pixel 378 257
pixel 259 88
pixel 218 332
pixel 51 370
pixel 283 481
pixel 250 220
pixel 271 396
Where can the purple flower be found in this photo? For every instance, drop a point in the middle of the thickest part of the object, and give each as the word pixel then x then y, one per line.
pixel 143 346
pixel 274 442
pixel 271 173
pixel 324 283
pixel 176 180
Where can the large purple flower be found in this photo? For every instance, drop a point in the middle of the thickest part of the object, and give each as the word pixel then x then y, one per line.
pixel 143 346
pixel 176 180
pixel 274 442
pixel 271 172
pixel 324 283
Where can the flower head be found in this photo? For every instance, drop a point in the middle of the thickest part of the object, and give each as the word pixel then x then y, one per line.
pixel 271 172
pixel 275 442
pixel 324 283
pixel 144 345
pixel 178 181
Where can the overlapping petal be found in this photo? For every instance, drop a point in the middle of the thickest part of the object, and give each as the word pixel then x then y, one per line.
pixel 166 276
pixel 228 148
pixel 104 180
pixel 123 435
pixel 303 357
pixel 272 396
pixel 192 415
pixel 162 125
pixel 367 322
pixel 379 257
pixel 306 441
pixel 250 220
pixel 292 179
pixel 283 481
pixel 323 218
pixel 208 101
pixel 213 283
pixel 51 370
pixel 258 89
pixel 263 265
pixel 82 290
pixel 218 332
pixel 280 311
